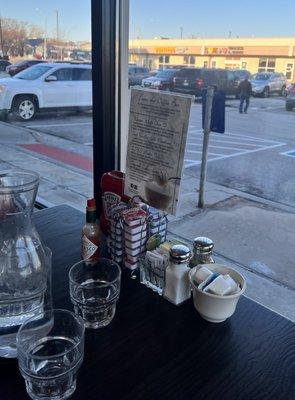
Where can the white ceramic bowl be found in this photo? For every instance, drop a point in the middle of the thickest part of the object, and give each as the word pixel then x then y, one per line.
pixel 212 307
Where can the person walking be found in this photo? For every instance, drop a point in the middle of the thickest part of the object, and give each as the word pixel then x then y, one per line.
pixel 244 91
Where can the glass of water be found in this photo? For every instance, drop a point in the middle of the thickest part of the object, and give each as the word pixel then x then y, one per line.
pixel 94 290
pixel 50 350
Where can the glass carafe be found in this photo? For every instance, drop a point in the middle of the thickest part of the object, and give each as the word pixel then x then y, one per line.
pixel 25 264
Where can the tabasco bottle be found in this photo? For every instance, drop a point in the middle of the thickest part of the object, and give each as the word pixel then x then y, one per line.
pixel 91 238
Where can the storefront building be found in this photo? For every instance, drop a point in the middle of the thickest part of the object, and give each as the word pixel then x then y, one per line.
pixel 252 54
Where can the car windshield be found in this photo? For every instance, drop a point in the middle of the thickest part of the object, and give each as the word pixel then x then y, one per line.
pixel 166 74
pixel 240 74
pixel 261 77
pixel 33 73
pixel 20 63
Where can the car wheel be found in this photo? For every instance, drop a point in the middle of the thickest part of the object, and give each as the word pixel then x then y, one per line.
pixel 266 92
pixel 288 107
pixel 25 108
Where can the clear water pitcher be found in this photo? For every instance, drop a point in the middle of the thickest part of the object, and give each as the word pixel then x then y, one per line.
pixel 25 264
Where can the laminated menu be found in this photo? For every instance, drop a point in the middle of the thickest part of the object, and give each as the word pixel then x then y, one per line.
pixel 158 127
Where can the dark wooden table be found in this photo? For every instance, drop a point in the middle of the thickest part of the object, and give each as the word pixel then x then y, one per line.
pixel 153 350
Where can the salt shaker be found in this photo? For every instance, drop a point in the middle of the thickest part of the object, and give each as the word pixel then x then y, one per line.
pixel 177 286
pixel 202 252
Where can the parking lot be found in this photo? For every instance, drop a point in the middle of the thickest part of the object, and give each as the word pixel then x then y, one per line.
pixel 250 156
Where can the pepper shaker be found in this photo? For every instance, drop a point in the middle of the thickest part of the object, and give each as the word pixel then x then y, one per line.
pixel 202 252
pixel 177 286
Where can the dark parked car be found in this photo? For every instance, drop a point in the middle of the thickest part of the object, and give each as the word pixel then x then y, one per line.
pixel 290 101
pixel 241 74
pixel 290 89
pixel 162 81
pixel 194 80
pixel 21 66
pixel 137 74
pixel 4 64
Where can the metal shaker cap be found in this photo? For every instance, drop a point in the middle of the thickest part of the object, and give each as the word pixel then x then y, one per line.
pixel 203 244
pixel 180 254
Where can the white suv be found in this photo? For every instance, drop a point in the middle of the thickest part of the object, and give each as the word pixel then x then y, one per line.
pixel 47 86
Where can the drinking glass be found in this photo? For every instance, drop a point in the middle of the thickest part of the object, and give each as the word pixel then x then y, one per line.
pixel 94 290
pixel 50 350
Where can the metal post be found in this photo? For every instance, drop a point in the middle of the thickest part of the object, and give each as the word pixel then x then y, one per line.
pixel 1 37
pixel 207 128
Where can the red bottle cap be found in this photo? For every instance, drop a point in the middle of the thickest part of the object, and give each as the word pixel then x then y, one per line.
pixel 91 203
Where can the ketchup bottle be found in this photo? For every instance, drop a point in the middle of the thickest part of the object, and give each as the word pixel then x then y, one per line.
pixel 112 187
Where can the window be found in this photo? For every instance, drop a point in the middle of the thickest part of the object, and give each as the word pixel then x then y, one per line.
pixel 46 41
pixel 33 73
pixel 63 74
pixel 189 60
pixel 244 65
pixel 82 74
pixel 213 64
pixel 289 71
pixel 267 65
pixel 163 60
pixel 205 64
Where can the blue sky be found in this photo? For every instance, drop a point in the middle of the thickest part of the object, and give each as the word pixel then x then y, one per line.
pixel 150 18
pixel 74 15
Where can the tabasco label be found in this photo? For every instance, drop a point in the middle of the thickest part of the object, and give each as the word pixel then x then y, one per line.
pixel 89 249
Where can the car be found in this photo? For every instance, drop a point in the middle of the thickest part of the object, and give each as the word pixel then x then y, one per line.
pixel 137 74
pixel 194 80
pixel 3 65
pixel 290 101
pixel 46 87
pixel 290 89
pixel 266 83
pixel 21 66
pixel 162 81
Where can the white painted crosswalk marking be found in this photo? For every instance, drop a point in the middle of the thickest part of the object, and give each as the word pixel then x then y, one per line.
pixel 223 146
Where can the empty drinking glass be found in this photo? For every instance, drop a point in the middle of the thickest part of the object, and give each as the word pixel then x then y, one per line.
pixel 50 350
pixel 94 290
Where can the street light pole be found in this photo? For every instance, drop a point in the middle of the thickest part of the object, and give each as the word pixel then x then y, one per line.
pixel 181 32
pixel 1 36
pixel 45 41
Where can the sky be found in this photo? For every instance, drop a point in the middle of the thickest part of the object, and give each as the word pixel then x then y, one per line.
pixel 74 16
pixel 151 18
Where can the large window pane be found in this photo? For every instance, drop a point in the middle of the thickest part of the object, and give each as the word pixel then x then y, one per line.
pixel 46 96
pixel 250 177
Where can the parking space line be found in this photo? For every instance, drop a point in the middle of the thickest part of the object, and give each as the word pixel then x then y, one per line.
pixel 54 125
pixel 223 157
pixel 252 138
pixel 222 147
pixel 238 143
pixel 239 137
pixel 210 153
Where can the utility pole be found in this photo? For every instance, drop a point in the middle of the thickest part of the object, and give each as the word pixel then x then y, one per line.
pixel 57 34
pixel 1 36
pixel 57 24
pixel 181 32
pixel 45 40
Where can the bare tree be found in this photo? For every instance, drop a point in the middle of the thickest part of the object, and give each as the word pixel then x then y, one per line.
pixel 15 35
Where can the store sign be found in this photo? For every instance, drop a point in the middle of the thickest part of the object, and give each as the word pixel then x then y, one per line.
pixel 158 125
pixel 224 50
pixel 165 50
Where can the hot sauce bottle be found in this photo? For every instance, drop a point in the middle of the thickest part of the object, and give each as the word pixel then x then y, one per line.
pixel 91 238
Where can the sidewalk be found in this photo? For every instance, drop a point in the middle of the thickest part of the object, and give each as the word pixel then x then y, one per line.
pixel 254 235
